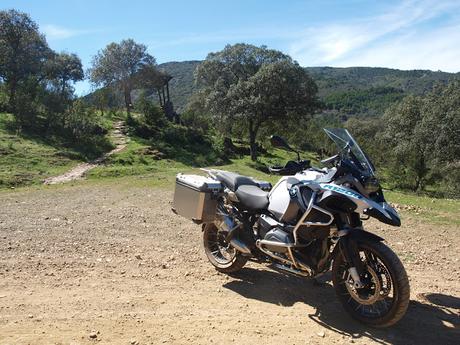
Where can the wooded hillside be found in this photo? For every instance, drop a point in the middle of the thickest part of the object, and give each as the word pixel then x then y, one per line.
pixel 352 90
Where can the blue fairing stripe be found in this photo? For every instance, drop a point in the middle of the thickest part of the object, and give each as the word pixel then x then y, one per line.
pixel 342 191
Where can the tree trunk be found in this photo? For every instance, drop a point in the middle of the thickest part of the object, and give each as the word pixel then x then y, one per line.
pixel 164 96
pixel 252 140
pixel 167 90
pixel 12 100
pixel 127 93
pixel 63 85
pixel 421 172
pixel 159 97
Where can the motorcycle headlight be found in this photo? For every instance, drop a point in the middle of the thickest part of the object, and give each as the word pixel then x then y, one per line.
pixel 371 184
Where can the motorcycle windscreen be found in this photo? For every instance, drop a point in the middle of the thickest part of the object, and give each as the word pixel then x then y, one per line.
pixel 343 139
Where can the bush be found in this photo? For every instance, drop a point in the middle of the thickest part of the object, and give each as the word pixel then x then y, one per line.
pixel 196 120
pixel 189 145
pixel 150 112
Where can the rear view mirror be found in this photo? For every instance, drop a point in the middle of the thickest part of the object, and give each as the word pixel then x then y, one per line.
pixel 278 141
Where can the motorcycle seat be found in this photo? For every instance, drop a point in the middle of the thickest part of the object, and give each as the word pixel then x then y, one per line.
pixel 252 197
pixel 232 181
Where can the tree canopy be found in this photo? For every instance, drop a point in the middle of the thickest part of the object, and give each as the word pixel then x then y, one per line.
pixel 118 64
pixel 249 86
pixel 422 132
pixel 65 67
pixel 23 53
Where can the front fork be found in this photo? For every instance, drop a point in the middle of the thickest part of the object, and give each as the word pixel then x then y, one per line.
pixel 350 251
pixel 348 247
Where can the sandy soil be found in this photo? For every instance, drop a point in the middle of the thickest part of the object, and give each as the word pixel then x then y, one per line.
pixel 78 172
pixel 112 264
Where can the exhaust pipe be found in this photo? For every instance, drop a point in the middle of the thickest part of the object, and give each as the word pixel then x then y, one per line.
pixel 291 270
pixel 240 246
pixel 232 228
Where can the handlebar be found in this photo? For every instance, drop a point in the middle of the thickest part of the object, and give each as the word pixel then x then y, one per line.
pixel 330 160
pixel 291 167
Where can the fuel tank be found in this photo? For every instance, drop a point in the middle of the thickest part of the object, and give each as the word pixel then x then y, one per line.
pixel 280 204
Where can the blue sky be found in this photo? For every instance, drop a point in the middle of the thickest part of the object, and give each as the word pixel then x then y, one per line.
pixel 412 34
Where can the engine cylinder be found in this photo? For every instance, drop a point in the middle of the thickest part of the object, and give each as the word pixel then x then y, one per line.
pixel 279 236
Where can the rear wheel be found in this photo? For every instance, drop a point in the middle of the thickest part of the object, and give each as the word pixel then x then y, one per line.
pixel 385 297
pixel 221 254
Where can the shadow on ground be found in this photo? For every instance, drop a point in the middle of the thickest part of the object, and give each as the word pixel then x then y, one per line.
pixel 433 321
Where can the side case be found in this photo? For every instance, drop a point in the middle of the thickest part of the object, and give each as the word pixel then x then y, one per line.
pixel 195 197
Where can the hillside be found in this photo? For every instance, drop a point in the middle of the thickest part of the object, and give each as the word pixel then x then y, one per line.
pixel 335 79
pixel 352 90
pixel 26 160
pixel 364 91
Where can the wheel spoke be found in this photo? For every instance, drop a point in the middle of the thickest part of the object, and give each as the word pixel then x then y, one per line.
pixel 371 301
pixel 219 248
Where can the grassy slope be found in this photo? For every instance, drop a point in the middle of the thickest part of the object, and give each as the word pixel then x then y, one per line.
pixel 25 160
pixel 440 211
pixel 133 161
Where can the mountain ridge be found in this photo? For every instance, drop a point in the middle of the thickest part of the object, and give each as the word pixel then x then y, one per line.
pixel 360 91
pixel 336 85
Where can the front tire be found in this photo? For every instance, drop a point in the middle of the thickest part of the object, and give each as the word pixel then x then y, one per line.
pixel 385 298
pixel 221 254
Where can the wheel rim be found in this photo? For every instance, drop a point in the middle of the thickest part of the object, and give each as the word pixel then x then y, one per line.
pixel 221 251
pixel 378 296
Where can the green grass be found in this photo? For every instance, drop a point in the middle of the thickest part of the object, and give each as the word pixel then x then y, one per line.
pixel 137 159
pixel 438 211
pixel 25 161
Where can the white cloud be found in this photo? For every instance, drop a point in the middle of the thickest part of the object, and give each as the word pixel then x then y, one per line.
pixel 55 32
pixel 398 38
pixel 435 50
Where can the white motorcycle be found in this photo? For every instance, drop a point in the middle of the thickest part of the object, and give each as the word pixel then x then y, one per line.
pixel 310 222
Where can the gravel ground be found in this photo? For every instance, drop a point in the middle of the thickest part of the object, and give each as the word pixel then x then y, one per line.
pixel 111 264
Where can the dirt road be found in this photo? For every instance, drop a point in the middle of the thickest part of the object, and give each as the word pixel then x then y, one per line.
pixel 111 264
pixel 78 172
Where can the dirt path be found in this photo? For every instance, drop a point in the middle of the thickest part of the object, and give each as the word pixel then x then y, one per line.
pixel 111 261
pixel 119 139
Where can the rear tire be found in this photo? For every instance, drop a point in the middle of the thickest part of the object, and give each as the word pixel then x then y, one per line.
pixel 382 303
pixel 221 254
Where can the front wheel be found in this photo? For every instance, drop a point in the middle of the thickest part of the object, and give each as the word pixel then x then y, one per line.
pixel 385 297
pixel 221 254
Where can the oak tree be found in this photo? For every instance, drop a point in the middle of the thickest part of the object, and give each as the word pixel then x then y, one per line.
pixel 251 86
pixel 117 66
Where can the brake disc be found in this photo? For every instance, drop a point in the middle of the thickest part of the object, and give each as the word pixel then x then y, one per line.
pixel 365 295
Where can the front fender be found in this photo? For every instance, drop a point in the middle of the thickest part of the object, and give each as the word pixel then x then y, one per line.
pixel 385 213
pixel 348 247
pixel 356 235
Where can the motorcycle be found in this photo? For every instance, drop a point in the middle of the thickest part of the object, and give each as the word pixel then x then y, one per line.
pixel 308 224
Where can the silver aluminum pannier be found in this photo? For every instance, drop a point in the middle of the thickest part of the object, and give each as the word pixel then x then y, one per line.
pixel 195 197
